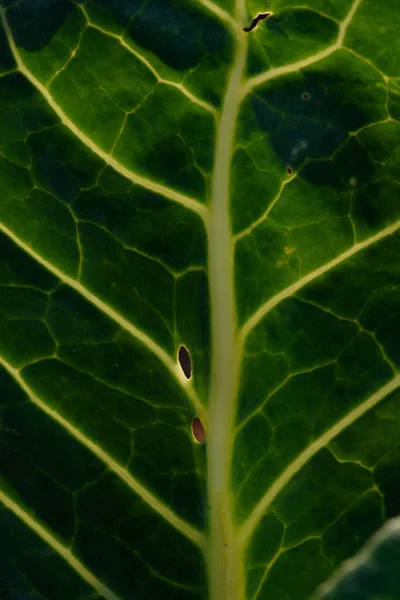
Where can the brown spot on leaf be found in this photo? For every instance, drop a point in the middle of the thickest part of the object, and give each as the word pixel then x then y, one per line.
pixel 198 431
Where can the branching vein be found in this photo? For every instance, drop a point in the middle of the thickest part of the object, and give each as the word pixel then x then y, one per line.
pixel 306 62
pixel 126 325
pixel 157 188
pixel 208 107
pixel 266 501
pixel 61 550
pixel 219 12
pixel 252 322
pixel 182 526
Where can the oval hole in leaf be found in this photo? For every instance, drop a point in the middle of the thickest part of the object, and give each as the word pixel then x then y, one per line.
pixel 185 361
pixel 306 96
pixel 198 431
pixel 289 170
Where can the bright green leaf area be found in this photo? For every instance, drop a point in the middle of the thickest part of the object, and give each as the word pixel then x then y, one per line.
pixel 167 179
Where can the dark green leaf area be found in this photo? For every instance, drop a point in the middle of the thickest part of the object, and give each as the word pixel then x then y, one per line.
pixel 259 553
pixel 257 172
pixel 327 207
pixel 394 101
pixel 129 282
pixel 193 325
pixel 339 497
pixel 111 517
pixel 54 478
pixel 326 503
pixel 388 477
pixel 121 398
pixel 103 233
pixel 283 422
pixel 183 44
pixel 23 110
pixel 301 353
pixel 373 442
pixel 74 321
pixel 38 462
pixel 7 62
pixel 110 94
pixel 287 408
pixel 60 165
pixel 133 215
pixel 94 80
pixel 334 9
pixel 289 35
pixel 373 574
pixel 37 215
pixel 34 23
pixel 183 39
pixel 24 336
pixel 185 35
pixel 19 271
pixel 178 143
pixel 45 224
pixel 298 130
pixel 365 290
pixel 30 566
pixel 289 580
pixel 23 304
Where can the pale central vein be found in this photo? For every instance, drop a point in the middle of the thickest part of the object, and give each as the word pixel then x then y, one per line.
pixel 225 577
pixel 61 550
pixel 162 509
pixel 157 188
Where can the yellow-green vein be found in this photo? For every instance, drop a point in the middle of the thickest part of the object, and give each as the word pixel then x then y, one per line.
pixel 162 509
pixel 355 414
pixel 295 287
pixel 137 333
pixel 61 550
pixel 157 188
pixel 306 62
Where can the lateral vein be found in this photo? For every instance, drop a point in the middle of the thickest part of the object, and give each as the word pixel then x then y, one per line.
pixel 126 325
pixel 172 518
pixel 306 62
pixel 219 12
pixel 292 289
pixel 355 414
pixel 205 105
pixel 61 550
pixel 157 188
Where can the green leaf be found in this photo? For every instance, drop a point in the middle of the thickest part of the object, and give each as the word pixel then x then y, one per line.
pixel 172 186
pixel 373 574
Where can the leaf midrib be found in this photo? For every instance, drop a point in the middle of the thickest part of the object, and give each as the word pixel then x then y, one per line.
pixel 220 218
pixel 226 578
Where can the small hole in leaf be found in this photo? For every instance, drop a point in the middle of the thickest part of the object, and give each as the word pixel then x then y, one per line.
pixel 289 170
pixel 198 431
pixel 185 361
pixel 306 96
